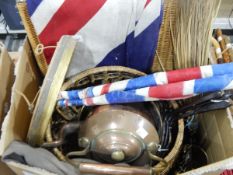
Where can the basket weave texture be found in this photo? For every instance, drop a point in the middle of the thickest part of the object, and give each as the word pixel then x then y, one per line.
pixel 165 46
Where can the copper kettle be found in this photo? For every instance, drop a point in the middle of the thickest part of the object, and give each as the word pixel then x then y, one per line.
pixel 119 133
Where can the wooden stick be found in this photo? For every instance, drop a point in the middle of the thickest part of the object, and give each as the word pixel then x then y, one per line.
pixel 226 56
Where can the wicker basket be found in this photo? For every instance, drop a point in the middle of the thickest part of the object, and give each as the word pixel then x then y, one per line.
pixel 103 75
pixel 165 52
pixel 228 41
pixel 32 36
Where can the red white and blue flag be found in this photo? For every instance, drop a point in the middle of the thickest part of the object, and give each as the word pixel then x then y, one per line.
pixel 172 91
pixel 172 85
pixel 108 32
pixel 155 79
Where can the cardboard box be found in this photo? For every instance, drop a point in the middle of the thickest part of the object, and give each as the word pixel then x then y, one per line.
pixel 215 126
pixel 16 123
pixel 217 134
pixel 6 81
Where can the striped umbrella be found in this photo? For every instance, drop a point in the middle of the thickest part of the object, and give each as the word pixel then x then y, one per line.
pixel 172 91
pixel 160 78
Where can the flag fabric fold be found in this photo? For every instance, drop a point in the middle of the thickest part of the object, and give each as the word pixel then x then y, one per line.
pixel 108 32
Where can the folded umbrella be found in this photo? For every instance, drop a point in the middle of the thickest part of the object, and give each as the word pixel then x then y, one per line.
pixel 160 78
pixel 172 91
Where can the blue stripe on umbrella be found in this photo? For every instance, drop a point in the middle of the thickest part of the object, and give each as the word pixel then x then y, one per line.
pixel 123 97
pixel 212 84
pixel 140 82
pixel 221 69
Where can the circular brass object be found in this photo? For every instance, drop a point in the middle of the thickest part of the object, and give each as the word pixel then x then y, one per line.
pixel 51 86
pixel 110 142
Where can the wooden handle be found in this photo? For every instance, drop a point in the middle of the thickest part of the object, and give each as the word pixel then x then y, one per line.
pixel 226 56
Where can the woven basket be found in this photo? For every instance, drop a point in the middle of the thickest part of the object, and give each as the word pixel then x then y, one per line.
pixel 165 49
pixel 228 41
pixel 103 75
pixel 32 36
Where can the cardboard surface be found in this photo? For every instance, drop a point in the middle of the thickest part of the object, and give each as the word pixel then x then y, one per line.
pixel 218 134
pixel 6 81
pixel 15 125
pixel 217 137
pixel 4 169
pixel 212 169
pixel 15 56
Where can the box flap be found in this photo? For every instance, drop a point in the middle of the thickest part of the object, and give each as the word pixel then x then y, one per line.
pixel 6 79
pixel 27 82
pixel 212 169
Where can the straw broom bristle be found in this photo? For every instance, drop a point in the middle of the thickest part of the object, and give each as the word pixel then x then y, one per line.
pixel 192 31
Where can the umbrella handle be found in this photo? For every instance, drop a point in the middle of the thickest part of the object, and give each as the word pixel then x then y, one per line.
pixel 210 102
pixel 211 106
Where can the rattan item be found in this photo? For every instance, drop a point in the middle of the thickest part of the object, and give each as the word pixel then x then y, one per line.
pixel 185 35
pixel 32 36
pixel 165 51
pixel 103 75
pixel 219 35
pixel 218 51
pixel 174 153
pixel 50 89
pixel 229 46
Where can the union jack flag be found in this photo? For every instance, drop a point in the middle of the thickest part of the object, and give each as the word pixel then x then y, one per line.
pixel 108 32
pixel 172 91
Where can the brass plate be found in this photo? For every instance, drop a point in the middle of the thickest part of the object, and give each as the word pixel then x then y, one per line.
pixel 51 86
